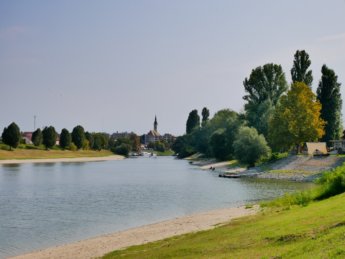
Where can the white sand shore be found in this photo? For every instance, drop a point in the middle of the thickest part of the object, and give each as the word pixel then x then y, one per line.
pixel 98 246
pixel 61 160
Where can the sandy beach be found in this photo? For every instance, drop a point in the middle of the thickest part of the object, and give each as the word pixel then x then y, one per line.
pixel 98 246
pixel 61 160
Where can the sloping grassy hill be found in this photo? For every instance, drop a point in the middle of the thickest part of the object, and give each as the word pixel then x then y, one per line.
pixel 313 231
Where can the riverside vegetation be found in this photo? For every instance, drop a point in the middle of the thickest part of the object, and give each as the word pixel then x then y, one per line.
pixel 309 224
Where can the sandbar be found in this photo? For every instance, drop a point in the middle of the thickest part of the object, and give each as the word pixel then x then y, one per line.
pixel 61 160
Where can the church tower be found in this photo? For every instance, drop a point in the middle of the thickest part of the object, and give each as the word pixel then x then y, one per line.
pixel 155 124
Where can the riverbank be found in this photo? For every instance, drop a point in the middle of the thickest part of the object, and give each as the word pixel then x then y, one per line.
pixel 19 156
pixel 299 168
pixel 98 246
pixel 61 160
pixel 312 231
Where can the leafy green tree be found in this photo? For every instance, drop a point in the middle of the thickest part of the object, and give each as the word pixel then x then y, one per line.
pixel 193 121
pixel 205 115
pixel 123 149
pixel 78 136
pixel 49 137
pixel 11 135
pixel 250 147
pixel 89 137
pixel 183 147
pixel 98 141
pixel 37 137
pixel 328 93
pixel 264 87
pixel 296 119
pixel 135 141
pixel 299 71
pixel 218 144
pixel 65 139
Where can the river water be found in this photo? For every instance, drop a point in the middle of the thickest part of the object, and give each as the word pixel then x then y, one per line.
pixel 43 205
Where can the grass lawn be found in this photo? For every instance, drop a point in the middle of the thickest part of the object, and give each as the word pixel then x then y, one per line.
pixel 165 153
pixel 313 231
pixel 41 154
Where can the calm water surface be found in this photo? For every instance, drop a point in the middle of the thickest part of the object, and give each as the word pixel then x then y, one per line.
pixel 44 205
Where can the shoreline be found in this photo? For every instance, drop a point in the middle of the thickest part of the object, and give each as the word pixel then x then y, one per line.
pixel 60 160
pixel 101 245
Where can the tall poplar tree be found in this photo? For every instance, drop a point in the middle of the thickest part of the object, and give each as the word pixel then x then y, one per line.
pixel 49 137
pixel 299 71
pixel 328 93
pixel 65 139
pixel 205 116
pixel 37 137
pixel 193 121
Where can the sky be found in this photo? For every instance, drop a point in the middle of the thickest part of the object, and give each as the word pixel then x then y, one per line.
pixel 113 65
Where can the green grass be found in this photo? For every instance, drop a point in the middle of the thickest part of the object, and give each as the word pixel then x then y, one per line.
pixel 41 153
pixel 306 224
pixel 165 153
pixel 315 231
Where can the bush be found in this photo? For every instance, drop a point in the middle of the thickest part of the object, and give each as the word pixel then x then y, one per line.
pixel 122 149
pixel 250 147
pixel 333 183
pixel 73 147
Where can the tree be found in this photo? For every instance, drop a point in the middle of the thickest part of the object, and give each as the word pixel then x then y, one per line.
pixel 264 87
pixel 205 114
pixel 49 137
pixel 193 121
pixel 11 135
pixel 218 144
pixel 89 137
pixel 299 71
pixel 65 139
pixel 296 119
pixel 135 141
pixel 37 137
pixel 78 136
pixel 250 147
pixel 328 93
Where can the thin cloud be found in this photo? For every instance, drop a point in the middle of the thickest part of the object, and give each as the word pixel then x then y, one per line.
pixel 334 37
pixel 12 32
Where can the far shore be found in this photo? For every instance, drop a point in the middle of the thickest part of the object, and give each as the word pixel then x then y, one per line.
pixel 60 160
pixel 99 246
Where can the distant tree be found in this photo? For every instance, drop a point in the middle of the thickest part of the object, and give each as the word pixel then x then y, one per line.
pixel 264 87
pixel 11 135
pixel 122 149
pixel 37 137
pixel 89 137
pixel 205 115
pixel 193 121
pixel 135 141
pixel 78 136
pixel 328 93
pixel 65 139
pixel 97 141
pixel 296 119
pixel 250 147
pixel 299 71
pixel 218 144
pixel 183 147
pixel 49 137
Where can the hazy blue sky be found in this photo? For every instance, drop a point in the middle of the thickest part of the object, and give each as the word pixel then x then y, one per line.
pixel 112 65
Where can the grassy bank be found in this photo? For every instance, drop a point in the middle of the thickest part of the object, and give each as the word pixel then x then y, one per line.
pixel 42 154
pixel 300 232
pixel 309 224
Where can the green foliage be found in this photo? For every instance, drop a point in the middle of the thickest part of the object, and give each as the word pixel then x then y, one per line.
pixel 89 138
pixel 333 183
pixel 328 93
pixel 296 119
pixel 78 136
pixel 65 139
pixel 37 137
pixel 193 121
pixel 264 87
pixel 158 146
pixel 183 147
pixel 135 141
pixel 11 135
pixel 205 113
pixel 49 137
pixel 250 147
pixel 73 147
pixel 299 71
pixel 218 144
pixel 123 149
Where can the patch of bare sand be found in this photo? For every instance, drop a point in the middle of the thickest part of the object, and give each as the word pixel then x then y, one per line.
pixel 98 246
pixel 61 160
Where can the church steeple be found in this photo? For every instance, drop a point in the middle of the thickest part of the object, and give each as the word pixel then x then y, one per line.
pixel 155 124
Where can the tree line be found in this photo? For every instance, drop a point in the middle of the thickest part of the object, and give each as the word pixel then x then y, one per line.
pixel 78 139
pixel 277 117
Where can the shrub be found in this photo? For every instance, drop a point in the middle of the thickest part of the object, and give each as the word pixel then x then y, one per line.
pixel 250 147
pixel 122 149
pixel 73 147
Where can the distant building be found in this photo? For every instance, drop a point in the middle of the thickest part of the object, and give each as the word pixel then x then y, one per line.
pixel 154 136
pixel 27 136
pixel 118 135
